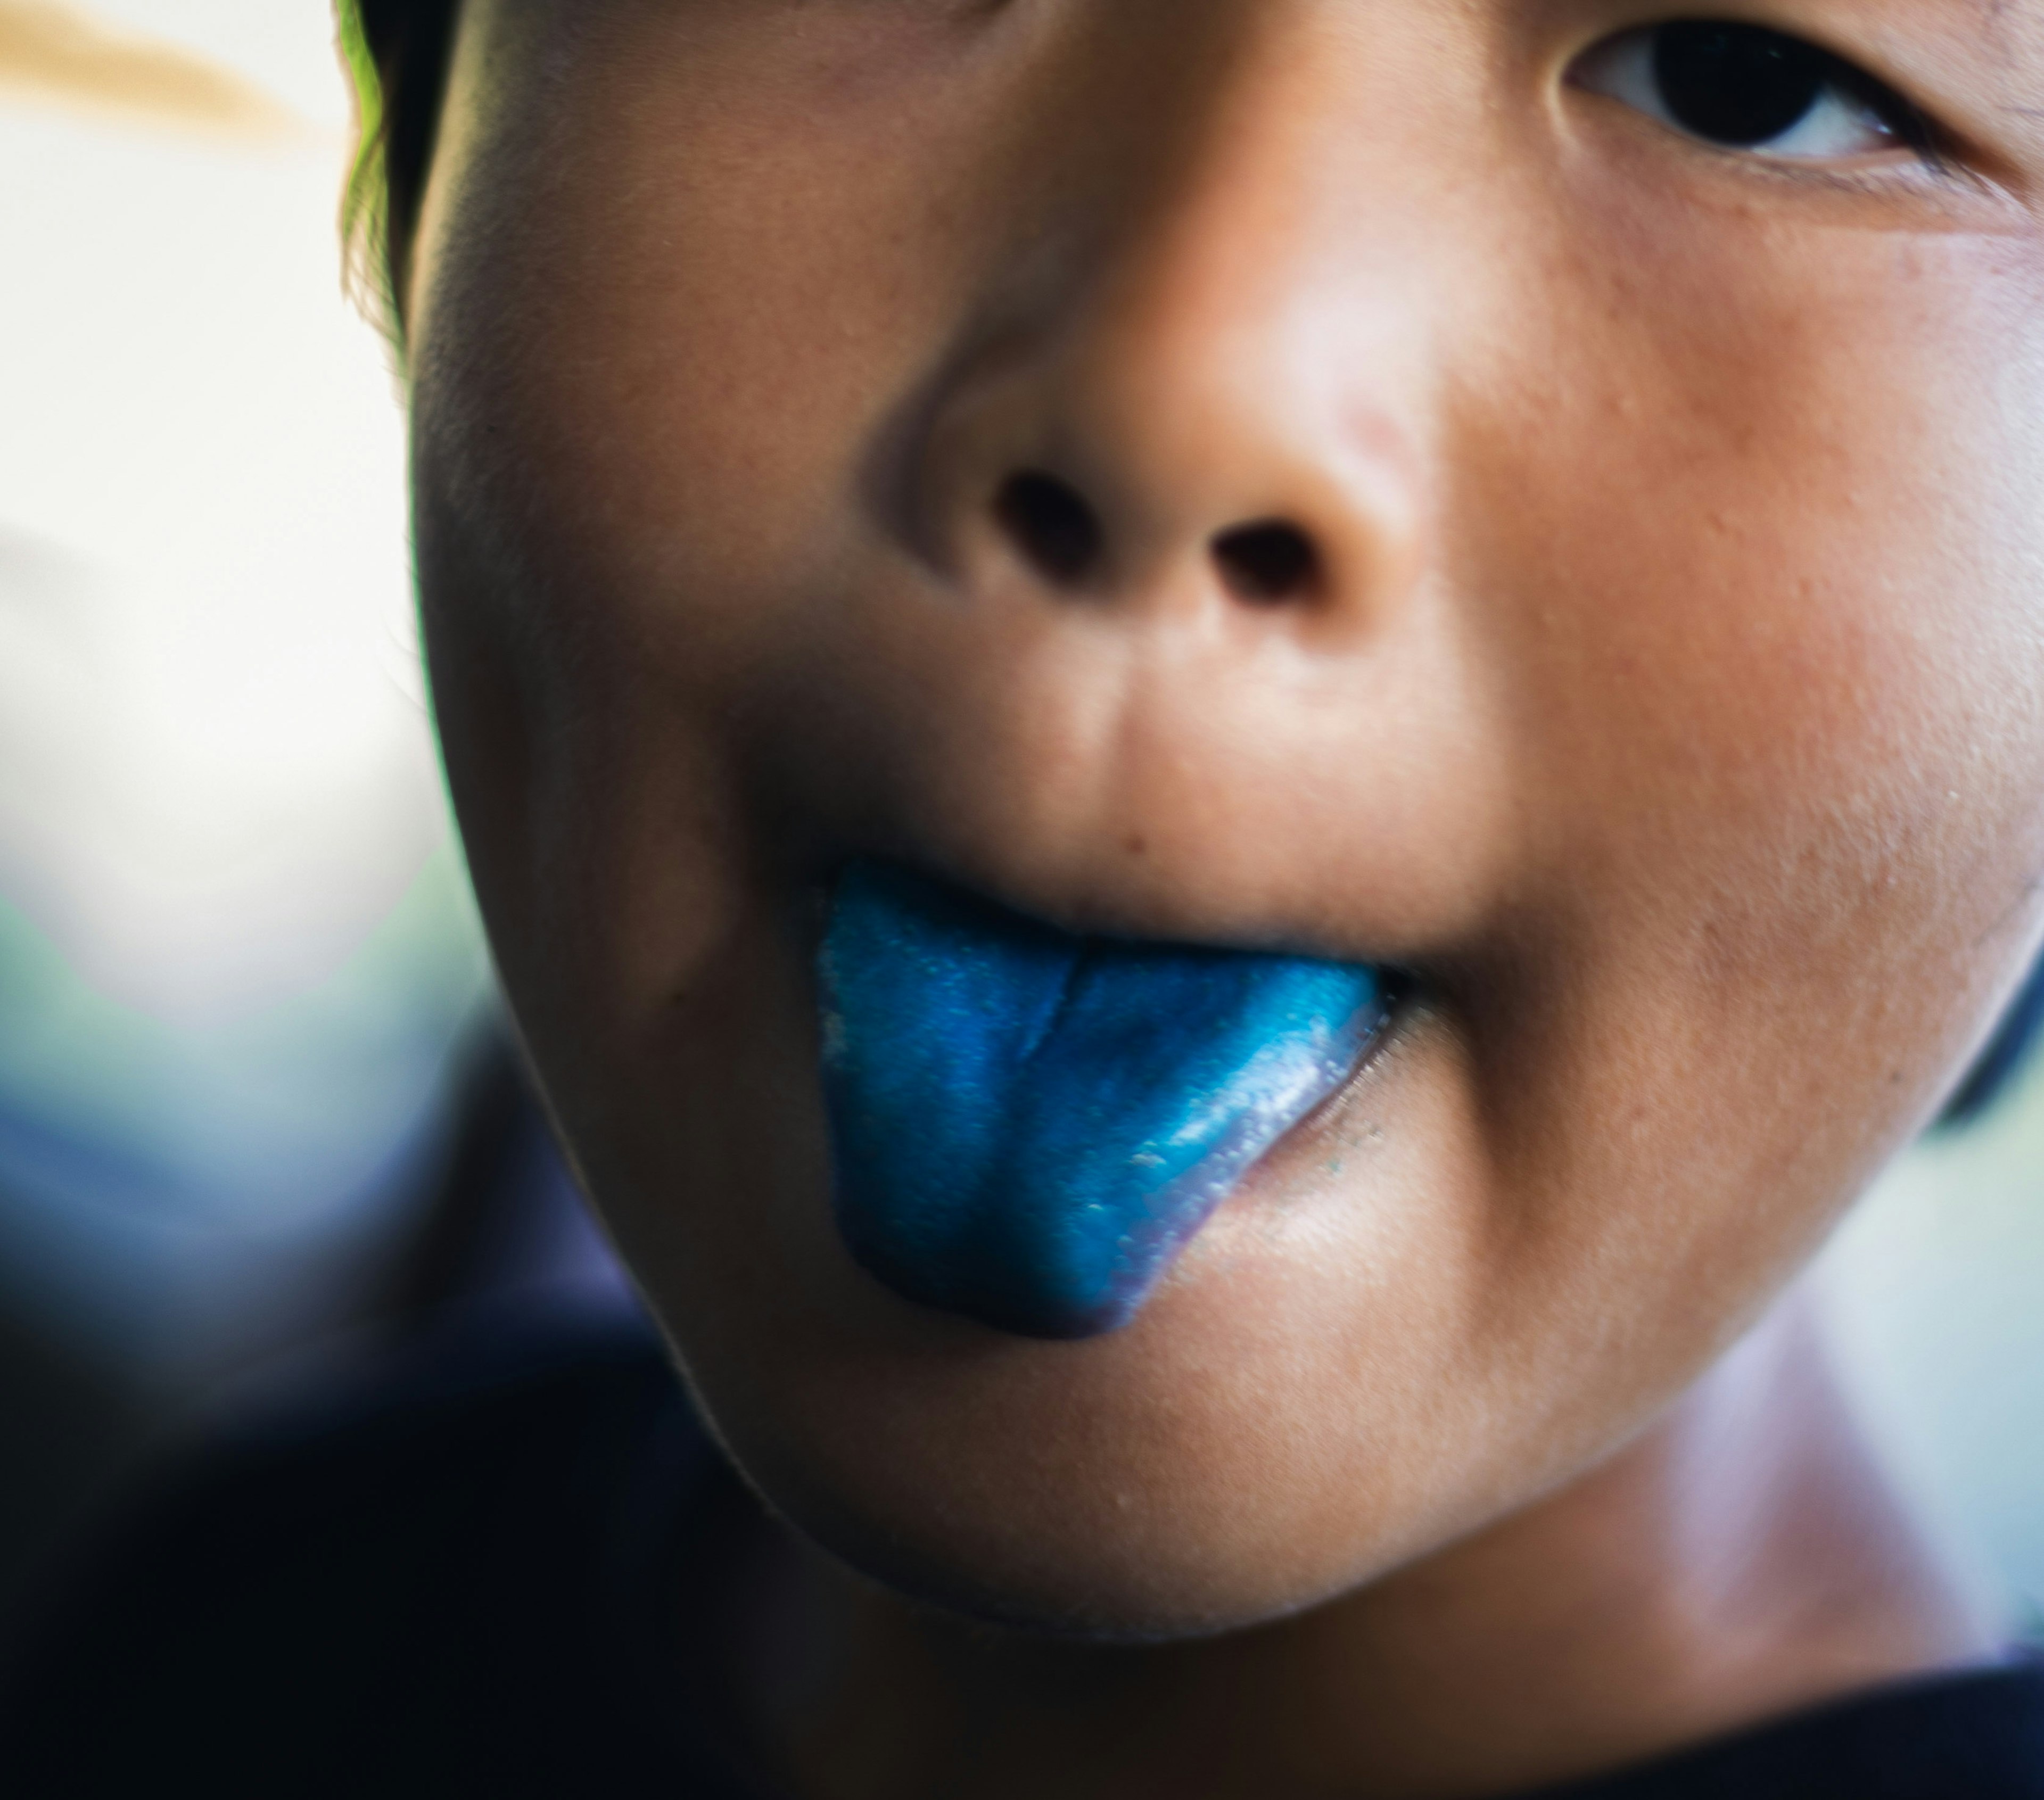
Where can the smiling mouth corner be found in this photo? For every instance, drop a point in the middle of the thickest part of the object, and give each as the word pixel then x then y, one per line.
pixel 1027 1125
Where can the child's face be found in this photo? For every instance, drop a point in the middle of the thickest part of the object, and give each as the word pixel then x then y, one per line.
pixel 1667 695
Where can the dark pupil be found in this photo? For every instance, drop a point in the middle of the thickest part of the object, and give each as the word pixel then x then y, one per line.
pixel 1736 84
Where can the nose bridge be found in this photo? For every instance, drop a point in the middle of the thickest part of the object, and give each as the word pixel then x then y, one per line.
pixel 1213 405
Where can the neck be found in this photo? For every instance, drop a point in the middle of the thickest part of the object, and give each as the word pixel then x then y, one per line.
pixel 1744 1557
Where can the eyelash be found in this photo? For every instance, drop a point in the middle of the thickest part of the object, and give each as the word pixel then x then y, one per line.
pixel 1637 67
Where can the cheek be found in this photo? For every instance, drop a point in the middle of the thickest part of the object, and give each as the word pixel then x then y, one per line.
pixel 700 332
pixel 1787 604
pixel 638 407
pixel 1763 606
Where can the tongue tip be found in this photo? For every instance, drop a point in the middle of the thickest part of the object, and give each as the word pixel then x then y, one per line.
pixel 1030 1315
pixel 1006 1288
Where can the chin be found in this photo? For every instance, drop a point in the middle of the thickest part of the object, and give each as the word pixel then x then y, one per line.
pixel 1092 1561
pixel 1208 1469
pixel 1337 1375
pixel 1231 1523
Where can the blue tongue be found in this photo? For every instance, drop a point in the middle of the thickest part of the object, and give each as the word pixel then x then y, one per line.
pixel 1028 1125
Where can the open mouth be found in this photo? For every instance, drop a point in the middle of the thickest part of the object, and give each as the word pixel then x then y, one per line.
pixel 1028 1126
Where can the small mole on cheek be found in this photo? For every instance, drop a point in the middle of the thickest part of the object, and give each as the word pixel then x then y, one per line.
pixel 1136 844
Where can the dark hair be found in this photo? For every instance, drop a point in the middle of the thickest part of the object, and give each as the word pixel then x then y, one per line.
pixel 397 54
pixel 1995 1066
pixel 397 51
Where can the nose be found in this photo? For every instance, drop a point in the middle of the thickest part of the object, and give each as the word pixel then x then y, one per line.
pixel 1205 418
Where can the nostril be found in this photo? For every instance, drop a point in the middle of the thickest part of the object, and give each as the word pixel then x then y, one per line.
pixel 1052 524
pixel 1267 562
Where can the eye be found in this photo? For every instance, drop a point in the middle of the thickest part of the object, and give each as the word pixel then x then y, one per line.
pixel 1742 87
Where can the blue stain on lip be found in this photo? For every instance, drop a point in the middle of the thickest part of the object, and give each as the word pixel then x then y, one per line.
pixel 1028 1126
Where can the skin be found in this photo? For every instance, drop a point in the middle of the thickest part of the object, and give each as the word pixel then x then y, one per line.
pixel 1668 701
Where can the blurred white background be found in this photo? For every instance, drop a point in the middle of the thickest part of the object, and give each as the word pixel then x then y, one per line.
pixel 236 945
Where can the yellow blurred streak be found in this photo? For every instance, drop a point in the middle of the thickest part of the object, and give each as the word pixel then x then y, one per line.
pixel 57 52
